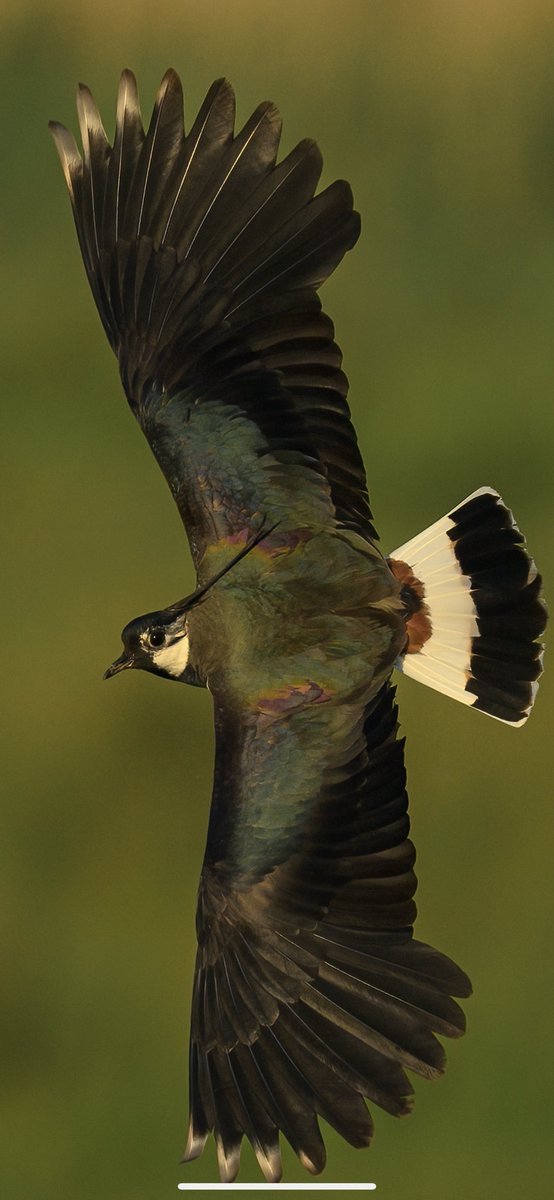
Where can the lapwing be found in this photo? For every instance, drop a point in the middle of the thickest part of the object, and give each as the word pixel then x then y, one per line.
pixel 205 255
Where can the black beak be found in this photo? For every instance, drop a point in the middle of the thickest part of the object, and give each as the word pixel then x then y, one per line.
pixel 120 664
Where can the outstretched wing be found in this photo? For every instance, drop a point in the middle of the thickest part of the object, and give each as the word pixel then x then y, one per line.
pixel 310 994
pixel 204 256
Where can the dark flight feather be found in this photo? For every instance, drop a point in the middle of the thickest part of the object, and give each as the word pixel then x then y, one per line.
pixel 321 982
pixel 122 162
pixel 197 247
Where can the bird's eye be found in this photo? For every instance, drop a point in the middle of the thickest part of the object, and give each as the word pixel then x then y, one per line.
pixel 156 638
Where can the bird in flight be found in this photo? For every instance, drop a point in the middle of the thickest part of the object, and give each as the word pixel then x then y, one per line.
pixel 205 255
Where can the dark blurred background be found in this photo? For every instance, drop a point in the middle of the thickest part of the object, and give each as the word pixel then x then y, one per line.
pixel 442 117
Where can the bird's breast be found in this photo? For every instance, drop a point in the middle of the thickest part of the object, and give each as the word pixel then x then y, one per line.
pixel 300 632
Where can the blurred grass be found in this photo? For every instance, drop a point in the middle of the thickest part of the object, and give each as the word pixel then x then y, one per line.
pixel 442 117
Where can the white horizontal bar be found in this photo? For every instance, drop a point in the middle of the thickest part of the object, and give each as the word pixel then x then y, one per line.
pixel 277 1187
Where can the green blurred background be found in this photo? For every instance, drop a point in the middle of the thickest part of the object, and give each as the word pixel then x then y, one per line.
pixel 441 114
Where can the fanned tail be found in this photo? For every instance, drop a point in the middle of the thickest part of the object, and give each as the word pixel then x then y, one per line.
pixel 474 609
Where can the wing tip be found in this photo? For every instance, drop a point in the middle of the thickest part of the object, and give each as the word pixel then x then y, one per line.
pixel 127 99
pixel 90 121
pixel 228 1159
pixel 314 1165
pixel 220 88
pixel 195 1144
pixel 170 83
pixel 68 154
pixel 269 1161
pixel 128 81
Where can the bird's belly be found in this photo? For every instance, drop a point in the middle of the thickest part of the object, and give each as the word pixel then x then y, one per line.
pixel 308 660
pixel 324 625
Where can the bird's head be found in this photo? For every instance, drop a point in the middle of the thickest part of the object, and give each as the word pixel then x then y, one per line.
pixel 159 641
pixel 156 642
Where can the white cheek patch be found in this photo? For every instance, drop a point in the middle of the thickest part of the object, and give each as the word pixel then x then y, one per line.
pixel 173 658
